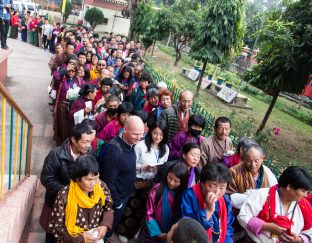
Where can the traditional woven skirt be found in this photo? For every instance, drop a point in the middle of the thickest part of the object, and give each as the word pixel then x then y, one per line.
pixel 134 213
pixel 61 124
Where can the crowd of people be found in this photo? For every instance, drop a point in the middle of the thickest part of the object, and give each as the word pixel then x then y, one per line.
pixel 131 161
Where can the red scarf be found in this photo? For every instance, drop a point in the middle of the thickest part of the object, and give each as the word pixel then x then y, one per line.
pixel 268 213
pixel 222 213
pixel 183 120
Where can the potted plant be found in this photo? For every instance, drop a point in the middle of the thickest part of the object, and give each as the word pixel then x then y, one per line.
pixel 227 84
pixel 220 81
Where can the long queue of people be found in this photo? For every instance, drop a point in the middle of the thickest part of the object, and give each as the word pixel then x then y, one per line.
pixel 130 161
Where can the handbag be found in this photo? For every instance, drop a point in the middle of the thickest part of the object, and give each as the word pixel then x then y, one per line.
pixel 45 217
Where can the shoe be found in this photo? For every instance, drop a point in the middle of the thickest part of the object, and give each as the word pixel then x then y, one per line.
pixel 122 239
pixel 5 47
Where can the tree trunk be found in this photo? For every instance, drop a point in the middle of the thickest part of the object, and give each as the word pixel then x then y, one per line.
pixel 201 78
pixel 178 57
pixel 153 48
pixel 267 114
pixel 169 39
pixel 132 5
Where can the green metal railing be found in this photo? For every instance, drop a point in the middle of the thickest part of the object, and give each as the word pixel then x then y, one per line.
pixel 15 161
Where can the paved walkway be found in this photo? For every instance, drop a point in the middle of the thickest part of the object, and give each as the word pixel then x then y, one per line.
pixel 28 79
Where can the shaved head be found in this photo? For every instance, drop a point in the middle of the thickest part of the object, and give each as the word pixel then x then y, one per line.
pixel 186 100
pixel 133 130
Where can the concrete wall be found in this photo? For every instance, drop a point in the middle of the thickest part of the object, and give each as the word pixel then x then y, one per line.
pixel 4 64
pixel 121 25
pixel 15 209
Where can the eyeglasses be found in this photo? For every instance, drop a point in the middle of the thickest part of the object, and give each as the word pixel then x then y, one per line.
pixel 102 64
pixel 71 71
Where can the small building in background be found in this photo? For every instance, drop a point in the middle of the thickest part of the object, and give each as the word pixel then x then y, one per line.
pixel 115 14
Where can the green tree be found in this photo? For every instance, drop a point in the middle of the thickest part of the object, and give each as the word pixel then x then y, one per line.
pixel 220 31
pixel 141 20
pixel 183 24
pixel 285 60
pixel 94 16
pixel 68 9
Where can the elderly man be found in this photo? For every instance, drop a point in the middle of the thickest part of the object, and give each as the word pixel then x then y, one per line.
pixel 58 166
pixel 118 165
pixel 215 146
pixel 176 117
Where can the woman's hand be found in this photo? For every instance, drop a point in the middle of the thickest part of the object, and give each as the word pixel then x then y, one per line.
pixel 87 110
pixel 290 239
pixel 273 228
pixel 162 236
pixel 210 201
pixel 89 238
pixel 148 168
pixel 102 232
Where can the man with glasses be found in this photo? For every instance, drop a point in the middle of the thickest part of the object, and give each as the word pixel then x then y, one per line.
pixel 101 65
pixel 214 147
pixel 176 117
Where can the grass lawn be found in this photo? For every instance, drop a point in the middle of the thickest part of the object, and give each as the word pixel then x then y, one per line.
pixel 292 146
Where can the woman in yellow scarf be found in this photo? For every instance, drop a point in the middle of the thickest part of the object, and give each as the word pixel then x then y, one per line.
pixel 83 210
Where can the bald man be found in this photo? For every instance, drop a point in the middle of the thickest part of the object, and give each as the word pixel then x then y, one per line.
pixel 118 166
pixel 176 117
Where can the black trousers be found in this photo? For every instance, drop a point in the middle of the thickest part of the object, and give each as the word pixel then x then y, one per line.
pixel 4 29
pixel 45 41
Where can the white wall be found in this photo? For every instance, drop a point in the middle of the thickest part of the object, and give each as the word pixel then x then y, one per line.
pixel 121 25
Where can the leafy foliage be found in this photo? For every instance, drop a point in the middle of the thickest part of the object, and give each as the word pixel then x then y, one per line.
pixel 285 60
pixel 220 29
pixel 183 24
pixel 94 16
pixel 142 19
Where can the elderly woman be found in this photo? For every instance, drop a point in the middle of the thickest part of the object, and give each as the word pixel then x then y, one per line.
pixel 83 211
pixel 207 203
pixel 61 124
pixel 235 159
pixel 280 213
pixel 165 98
pixel 250 174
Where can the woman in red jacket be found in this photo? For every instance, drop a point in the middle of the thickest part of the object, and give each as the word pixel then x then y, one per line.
pixel 14 25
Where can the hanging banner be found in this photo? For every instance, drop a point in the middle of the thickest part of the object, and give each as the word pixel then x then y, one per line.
pixel 63 6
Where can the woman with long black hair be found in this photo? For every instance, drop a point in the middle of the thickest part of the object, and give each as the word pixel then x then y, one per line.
pixel 151 153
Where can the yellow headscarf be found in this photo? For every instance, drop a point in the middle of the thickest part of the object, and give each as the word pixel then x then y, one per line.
pixel 76 197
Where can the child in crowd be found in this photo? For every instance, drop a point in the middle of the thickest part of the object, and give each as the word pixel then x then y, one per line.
pixel 161 205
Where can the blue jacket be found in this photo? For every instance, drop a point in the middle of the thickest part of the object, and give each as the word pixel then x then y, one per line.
pixel 189 208
pixel 4 14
